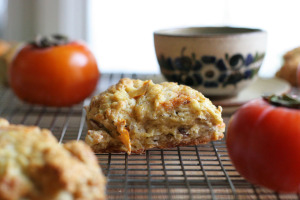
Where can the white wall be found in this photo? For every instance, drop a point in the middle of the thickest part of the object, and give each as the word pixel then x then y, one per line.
pixel 27 18
pixel 3 6
pixel 20 20
pixel 121 32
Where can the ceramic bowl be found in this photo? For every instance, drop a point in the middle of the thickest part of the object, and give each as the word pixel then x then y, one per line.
pixel 217 61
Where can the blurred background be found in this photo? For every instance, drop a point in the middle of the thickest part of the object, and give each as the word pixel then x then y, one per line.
pixel 120 33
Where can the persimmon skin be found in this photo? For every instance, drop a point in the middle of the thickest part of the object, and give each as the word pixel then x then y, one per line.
pixel 57 76
pixel 263 142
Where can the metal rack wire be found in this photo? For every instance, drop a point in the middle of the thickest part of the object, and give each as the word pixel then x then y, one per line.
pixel 193 172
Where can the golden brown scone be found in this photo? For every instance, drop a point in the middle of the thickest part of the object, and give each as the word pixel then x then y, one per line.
pixel 33 165
pixel 288 71
pixel 135 115
pixel 4 46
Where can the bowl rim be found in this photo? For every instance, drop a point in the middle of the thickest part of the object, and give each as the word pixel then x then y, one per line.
pixel 169 32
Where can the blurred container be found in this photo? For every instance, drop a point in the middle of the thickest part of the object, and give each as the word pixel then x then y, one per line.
pixel 217 61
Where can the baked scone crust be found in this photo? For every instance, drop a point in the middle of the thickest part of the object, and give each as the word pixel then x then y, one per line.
pixel 34 165
pixel 288 70
pixel 150 115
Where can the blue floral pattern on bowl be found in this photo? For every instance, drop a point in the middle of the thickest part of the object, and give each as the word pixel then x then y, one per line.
pixel 208 70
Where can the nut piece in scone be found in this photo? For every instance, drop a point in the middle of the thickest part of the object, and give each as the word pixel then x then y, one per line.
pixel 35 166
pixel 135 115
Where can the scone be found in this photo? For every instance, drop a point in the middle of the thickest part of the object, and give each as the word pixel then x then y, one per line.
pixel 288 70
pixel 135 115
pixel 33 165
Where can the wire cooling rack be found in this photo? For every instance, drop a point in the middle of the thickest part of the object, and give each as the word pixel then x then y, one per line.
pixel 193 172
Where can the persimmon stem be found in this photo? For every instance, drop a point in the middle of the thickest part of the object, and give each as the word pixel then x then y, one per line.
pixel 50 41
pixel 283 100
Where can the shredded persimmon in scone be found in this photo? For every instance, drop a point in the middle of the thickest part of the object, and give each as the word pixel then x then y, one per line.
pixel 136 115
